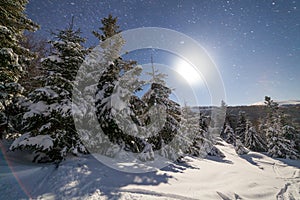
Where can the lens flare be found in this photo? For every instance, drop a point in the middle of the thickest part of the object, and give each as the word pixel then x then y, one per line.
pixel 188 72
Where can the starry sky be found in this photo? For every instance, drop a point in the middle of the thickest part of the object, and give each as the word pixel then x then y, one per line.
pixel 255 44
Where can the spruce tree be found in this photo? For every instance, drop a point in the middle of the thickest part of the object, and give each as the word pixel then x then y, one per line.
pixel 109 28
pixel 13 57
pixel 261 128
pixel 278 145
pixel 115 89
pixel 202 142
pixel 252 140
pixel 193 132
pixel 240 149
pixel 240 129
pixel 228 134
pixel 119 81
pixel 158 97
pixel 166 138
pixel 156 76
pixel 290 133
pixel 48 124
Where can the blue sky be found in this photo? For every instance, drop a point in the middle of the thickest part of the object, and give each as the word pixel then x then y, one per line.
pixel 255 44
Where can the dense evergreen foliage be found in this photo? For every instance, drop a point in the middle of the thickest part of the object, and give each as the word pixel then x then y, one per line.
pixel 48 125
pixel 228 134
pixel 253 141
pixel 13 58
pixel 240 130
pixel 279 144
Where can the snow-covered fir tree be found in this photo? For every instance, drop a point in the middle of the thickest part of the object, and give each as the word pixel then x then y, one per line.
pixel 113 107
pixel 125 119
pixel 218 118
pixel 252 140
pixel 115 89
pixel 290 133
pixel 13 57
pixel 278 145
pixel 193 132
pixel 156 76
pixel 261 128
pixel 48 124
pixel 152 116
pixel 157 101
pixel 240 129
pixel 158 98
pixel 204 142
pixel 228 134
pixel 240 149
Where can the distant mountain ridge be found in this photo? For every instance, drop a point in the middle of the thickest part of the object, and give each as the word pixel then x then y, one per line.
pixel 291 110
pixel 281 103
pixel 257 111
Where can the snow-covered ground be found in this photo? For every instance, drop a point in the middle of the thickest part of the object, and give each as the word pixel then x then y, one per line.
pixel 252 176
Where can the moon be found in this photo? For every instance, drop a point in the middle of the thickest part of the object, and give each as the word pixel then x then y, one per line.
pixel 188 72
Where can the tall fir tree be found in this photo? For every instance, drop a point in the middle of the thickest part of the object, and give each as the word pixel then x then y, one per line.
pixel 278 145
pixel 290 133
pixel 48 124
pixel 252 140
pixel 228 134
pixel 195 128
pixel 111 89
pixel 13 57
pixel 239 148
pixel 240 129
pixel 261 128
pixel 114 91
pixel 159 95
pixel 166 139
pixel 192 132
pixel 218 119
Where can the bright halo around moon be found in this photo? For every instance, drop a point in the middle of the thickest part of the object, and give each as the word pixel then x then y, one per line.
pixel 188 72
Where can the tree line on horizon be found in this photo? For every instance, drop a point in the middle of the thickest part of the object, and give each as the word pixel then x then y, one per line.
pixel 274 134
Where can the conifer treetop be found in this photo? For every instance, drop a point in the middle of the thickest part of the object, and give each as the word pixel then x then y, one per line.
pixel 69 34
pixel 156 76
pixel 109 28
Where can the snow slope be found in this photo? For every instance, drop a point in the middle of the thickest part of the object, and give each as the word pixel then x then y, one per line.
pixel 252 176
